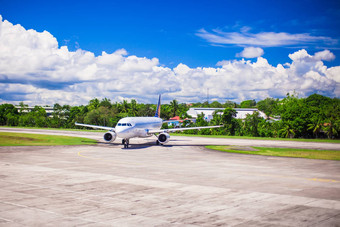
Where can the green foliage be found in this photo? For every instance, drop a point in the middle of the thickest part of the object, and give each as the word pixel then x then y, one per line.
pixel 316 116
pixel 269 106
pixel 8 115
pixel 174 107
pixel 229 121
pixel 251 123
pixel 248 104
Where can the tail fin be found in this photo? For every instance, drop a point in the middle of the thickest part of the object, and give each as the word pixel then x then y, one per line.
pixel 158 110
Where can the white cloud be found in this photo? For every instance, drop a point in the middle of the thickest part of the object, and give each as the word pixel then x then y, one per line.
pixel 251 52
pixel 325 55
pixel 262 39
pixel 35 70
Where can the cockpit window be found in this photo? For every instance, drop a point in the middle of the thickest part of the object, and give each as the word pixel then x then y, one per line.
pixel 124 124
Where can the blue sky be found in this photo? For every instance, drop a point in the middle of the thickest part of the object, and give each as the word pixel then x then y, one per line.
pixel 167 29
pixel 193 33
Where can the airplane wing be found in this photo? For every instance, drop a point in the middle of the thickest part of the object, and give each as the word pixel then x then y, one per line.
pixel 181 129
pixel 96 126
pixel 169 121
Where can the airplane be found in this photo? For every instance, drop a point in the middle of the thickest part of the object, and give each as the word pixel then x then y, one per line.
pixel 142 127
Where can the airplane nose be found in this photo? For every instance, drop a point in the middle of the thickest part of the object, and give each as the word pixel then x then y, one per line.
pixel 122 132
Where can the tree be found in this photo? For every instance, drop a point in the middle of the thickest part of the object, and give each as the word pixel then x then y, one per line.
pixel 23 107
pixel 8 115
pixel 58 119
pixel 251 123
pixel 217 117
pixel 133 108
pixel 12 119
pixel 174 107
pixel 248 103
pixel 229 121
pixel 316 127
pixel 269 106
pixel 228 114
pixel 147 110
pixel 216 104
pixel 200 121
pixel 101 116
pixel 125 106
pixel 39 116
pixel 332 121
pixel 296 115
pixel 93 104
pixel 217 120
pixel 287 131
pixel 229 104
pixel 105 102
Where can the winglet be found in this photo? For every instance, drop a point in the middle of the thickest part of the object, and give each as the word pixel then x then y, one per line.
pixel 158 110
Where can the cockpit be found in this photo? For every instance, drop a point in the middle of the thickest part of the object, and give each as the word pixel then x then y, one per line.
pixel 124 124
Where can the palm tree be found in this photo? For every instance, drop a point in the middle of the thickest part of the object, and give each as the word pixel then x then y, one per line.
pixel 331 129
pixel 287 131
pixel 133 109
pixel 125 106
pixel 174 107
pixel 315 127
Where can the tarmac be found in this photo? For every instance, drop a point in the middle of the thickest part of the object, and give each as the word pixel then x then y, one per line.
pixel 178 184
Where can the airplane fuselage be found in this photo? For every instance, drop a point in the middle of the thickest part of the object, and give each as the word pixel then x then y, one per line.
pixel 130 127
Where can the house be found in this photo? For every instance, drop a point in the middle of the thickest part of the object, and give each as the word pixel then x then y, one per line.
pixel 208 112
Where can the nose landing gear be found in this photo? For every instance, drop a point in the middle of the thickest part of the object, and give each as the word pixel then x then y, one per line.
pixel 125 142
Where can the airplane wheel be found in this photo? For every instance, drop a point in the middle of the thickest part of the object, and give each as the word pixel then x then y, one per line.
pixel 126 143
pixel 157 142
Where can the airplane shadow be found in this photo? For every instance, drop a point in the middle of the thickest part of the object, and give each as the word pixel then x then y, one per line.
pixel 148 144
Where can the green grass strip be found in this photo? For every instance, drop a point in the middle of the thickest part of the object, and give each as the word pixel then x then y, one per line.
pixel 281 152
pixel 259 138
pixel 24 139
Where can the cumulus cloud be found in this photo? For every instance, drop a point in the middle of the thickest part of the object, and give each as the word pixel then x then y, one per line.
pixel 34 69
pixel 251 52
pixel 262 39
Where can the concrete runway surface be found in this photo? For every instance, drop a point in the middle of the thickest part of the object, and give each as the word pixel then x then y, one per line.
pixel 179 184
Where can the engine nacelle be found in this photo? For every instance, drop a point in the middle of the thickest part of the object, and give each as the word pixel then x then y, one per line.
pixel 110 136
pixel 163 138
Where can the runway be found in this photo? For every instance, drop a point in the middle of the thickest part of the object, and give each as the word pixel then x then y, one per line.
pixel 180 184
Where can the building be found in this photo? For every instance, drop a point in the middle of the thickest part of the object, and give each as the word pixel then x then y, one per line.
pixel 208 112
pixel 49 110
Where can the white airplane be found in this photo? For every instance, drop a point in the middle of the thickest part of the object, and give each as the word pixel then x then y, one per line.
pixel 130 127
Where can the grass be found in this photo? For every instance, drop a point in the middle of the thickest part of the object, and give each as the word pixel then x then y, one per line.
pixel 194 135
pixel 281 152
pixel 260 138
pixel 24 139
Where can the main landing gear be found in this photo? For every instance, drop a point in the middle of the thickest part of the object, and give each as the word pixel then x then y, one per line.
pixel 125 142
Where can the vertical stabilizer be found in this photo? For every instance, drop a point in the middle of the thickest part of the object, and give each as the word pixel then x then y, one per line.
pixel 158 110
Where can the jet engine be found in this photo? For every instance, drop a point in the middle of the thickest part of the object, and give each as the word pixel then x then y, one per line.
pixel 163 138
pixel 110 136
